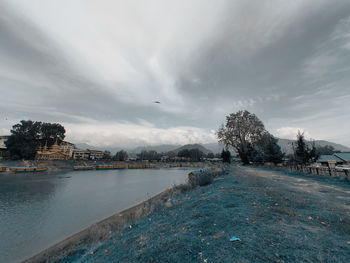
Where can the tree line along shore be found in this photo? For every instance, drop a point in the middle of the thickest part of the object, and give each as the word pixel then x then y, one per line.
pixel 242 135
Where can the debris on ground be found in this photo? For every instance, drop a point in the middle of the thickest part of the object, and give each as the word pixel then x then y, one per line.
pixel 218 235
pixel 232 239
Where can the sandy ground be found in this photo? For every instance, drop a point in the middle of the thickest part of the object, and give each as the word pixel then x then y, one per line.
pixel 278 216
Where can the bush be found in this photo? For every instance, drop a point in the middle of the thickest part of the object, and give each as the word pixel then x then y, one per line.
pixel 201 179
pixel 204 178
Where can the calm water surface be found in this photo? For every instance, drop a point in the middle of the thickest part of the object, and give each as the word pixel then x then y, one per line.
pixel 37 211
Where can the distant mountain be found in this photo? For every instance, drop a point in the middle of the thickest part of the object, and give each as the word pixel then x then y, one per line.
pixel 214 147
pixel 286 145
pixel 158 148
pixel 190 147
pixel 113 150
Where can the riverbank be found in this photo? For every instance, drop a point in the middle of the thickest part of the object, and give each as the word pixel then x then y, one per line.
pixel 278 217
pixel 66 165
pixel 39 210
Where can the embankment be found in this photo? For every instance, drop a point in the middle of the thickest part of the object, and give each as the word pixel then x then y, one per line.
pixel 101 230
pixel 105 228
pixel 278 217
pixel 61 165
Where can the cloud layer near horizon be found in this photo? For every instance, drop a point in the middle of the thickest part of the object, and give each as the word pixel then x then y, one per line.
pixel 98 66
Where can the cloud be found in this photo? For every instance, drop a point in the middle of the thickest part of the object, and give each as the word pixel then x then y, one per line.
pixel 126 134
pixel 99 64
pixel 291 133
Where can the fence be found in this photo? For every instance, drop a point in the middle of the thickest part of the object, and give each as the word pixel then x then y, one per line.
pixel 318 170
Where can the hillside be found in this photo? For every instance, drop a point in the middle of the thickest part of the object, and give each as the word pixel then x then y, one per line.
pixel 190 147
pixel 214 147
pixel 158 148
pixel 286 145
pixel 112 149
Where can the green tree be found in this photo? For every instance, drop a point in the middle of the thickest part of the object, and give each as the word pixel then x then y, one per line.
pixel 313 154
pixel 24 140
pixel 272 151
pixel 210 155
pixel 121 156
pixel 153 155
pixel 27 136
pixel 226 156
pixel 149 155
pixel 325 150
pixel 107 155
pixel 184 153
pixel 51 132
pixel 241 131
pixel 195 154
pixel 302 151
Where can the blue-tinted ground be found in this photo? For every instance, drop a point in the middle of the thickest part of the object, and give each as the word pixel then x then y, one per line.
pixel 279 217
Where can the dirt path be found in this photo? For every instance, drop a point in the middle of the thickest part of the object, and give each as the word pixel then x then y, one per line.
pixel 279 217
pixel 326 193
pixel 311 213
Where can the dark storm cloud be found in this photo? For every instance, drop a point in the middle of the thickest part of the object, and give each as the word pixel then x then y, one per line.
pixel 98 67
pixel 250 65
pixel 38 82
pixel 229 65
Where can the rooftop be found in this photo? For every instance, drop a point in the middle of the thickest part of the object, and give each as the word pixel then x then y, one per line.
pixel 327 158
pixel 344 156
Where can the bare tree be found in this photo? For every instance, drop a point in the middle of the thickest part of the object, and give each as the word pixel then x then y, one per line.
pixel 241 131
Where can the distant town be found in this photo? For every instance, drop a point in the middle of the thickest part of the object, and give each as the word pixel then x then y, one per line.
pixel 65 150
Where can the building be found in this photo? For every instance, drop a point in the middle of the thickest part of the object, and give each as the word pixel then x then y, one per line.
pixel 3 149
pixel 95 154
pixel 3 139
pixel 345 157
pixel 67 148
pixel 334 159
pixel 62 151
pixel 79 154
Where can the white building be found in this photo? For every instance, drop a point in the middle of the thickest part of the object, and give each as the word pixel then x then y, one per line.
pixel 3 139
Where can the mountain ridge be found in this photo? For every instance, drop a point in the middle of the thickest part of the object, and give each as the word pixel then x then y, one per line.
pixel 191 147
pixel 285 144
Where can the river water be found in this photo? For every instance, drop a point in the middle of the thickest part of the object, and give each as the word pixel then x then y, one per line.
pixel 37 211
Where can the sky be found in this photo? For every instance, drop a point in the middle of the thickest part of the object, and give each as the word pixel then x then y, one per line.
pixel 97 67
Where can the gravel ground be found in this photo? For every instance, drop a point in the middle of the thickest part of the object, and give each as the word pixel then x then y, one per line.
pixel 278 216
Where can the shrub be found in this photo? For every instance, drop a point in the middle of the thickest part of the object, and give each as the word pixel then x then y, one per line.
pixel 203 178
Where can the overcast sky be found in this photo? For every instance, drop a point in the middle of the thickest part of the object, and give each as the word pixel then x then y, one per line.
pixel 98 66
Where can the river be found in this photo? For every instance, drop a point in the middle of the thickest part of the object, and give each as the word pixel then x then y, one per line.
pixel 37 211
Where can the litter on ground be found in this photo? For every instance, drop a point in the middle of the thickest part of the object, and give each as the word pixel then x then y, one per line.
pixel 234 239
